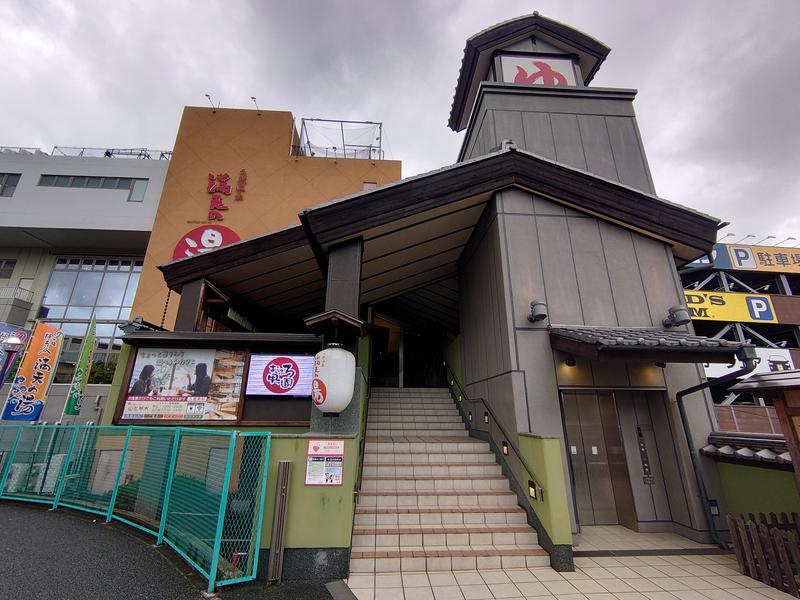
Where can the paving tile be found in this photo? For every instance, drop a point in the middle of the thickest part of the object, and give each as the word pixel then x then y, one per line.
pixel 630 596
pixel 600 596
pixel 546 574
pixel 389 594
pixel 696 583
pixel 412 580
pixel 662 595
pixel 689 595
pixel 361 581
pixel 364 594
pixel 669 584
pixel 468 578
pixel 531 589
pixel 476 592
pixel 586 586
pixel 388 580
pixel 599 573
pixel 615 585
pixel 446 592
pixel 641 584
pixel 505 590
pixel 442 579
pixel 560 587
pixel 491 577
pixel 747 594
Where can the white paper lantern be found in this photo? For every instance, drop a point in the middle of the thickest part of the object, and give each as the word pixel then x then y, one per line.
pixel 334 378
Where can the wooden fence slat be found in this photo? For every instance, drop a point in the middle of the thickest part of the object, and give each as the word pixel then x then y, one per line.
pixel 747 546
pixel 796 521
pixel 772 560
pixel 773 520
pixel 794 552
pixel 788 581
pixel 758 552
pixel 737 543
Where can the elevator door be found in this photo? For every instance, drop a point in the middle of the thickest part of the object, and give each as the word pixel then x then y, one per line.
pixel 601 484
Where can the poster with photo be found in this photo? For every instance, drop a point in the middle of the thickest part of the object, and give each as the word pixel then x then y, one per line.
pixel 176 384
pixel 324 462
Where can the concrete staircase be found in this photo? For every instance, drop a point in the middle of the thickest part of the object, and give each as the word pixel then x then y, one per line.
pixel 432 498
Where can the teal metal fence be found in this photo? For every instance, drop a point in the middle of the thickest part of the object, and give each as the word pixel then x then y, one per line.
pixel 201 491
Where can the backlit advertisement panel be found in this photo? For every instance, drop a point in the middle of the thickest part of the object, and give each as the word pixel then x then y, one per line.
pixel 280 375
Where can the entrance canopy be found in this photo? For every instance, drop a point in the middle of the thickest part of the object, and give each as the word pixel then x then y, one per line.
pixel 414 233
pixel 641 343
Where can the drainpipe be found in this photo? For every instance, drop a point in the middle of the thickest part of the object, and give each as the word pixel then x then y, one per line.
pixel 746 354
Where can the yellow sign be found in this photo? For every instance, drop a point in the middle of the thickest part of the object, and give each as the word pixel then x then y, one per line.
pixel 730 307
pixel 759 258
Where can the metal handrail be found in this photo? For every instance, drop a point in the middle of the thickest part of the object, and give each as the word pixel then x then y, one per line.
pixel 509 439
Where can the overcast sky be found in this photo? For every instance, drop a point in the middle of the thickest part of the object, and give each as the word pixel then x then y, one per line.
pixel 718 80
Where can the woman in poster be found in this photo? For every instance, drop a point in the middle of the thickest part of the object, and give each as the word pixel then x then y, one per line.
pixel 145 385
pixel 202 382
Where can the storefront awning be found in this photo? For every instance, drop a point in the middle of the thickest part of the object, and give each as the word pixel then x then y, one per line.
pixel 641 344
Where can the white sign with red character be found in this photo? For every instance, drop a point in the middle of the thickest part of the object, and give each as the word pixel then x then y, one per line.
pixel 538 70
pixel 280 375
pixel 204 239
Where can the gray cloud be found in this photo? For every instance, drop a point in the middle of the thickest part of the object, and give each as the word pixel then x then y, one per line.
pixel 717 103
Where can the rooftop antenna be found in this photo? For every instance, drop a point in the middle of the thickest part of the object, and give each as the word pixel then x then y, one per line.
pixel 214 108
pixel 749 235
pixel 253 98
pixel 769 237
pixel 793 239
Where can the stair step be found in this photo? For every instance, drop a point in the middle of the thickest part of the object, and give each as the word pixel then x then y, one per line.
pixel 436 483
pixel 455 458
pixel 436 469
pixel 413 418
pixel 437 516
pixel 382 561
pixel 423 444
pixel 437 498
pixel 424 538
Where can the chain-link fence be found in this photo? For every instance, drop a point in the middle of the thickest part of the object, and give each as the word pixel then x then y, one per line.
pixel 201 491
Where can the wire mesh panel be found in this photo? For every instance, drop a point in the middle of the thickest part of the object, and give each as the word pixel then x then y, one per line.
pixel 142 486
pixel 241 532
pixel 91 475
pixel 196 498
pixel 201 491
pixel 37 463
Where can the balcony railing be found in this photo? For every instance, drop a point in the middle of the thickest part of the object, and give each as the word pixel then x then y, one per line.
pixel 16 293
pixel 746 418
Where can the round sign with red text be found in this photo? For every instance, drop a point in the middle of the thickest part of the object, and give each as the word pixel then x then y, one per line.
pixel 281 375
pixel 204 239
pixel 318 391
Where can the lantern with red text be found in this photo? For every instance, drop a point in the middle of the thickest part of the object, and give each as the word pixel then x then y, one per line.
pixel 334 378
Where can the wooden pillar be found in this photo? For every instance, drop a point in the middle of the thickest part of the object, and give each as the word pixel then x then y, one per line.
pixel 190 305
pixel 344 277
pixel 787 407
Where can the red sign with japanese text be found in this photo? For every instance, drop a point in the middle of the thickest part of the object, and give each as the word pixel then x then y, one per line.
pixel 204 239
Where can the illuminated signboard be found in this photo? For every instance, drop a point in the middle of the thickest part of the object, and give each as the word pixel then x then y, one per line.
pixel 537 70
pixel 280 375
pixel 178 384
pixel 773 259
pixel 204 239
pixel 730 307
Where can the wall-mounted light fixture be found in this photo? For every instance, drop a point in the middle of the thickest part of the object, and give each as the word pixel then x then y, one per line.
pixel 505 448
pixel 713 506
pixel 538 311
pixel 661 364
pixel 570 361
pixel 459 397
pixel 678 315
pixel 486 417
pixel 470 416
pixel 532 492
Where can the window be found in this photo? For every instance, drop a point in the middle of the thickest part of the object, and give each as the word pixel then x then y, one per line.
pixel 8 183
pixel 81 286
pixel 137 187
pixel 7 268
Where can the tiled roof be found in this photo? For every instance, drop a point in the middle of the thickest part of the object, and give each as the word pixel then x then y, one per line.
pixel 748 447
pixel 642 337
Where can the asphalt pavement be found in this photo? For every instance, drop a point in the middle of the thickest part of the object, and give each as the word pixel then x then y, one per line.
pixel 68 555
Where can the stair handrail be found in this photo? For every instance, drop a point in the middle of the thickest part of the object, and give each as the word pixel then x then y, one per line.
pixel 463 396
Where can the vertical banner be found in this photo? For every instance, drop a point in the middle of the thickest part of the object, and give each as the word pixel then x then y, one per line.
pixel 7 351
pixel 81 377
pixel 32 382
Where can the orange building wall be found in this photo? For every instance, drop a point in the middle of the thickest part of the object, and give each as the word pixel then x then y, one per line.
pixel 278 187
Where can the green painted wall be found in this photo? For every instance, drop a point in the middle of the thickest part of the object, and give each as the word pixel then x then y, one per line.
pixel 758 489
pixel 453 357
pixel 318 516
pixel 544 457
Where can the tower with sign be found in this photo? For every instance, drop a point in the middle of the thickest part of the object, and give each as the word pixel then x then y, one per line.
pixel 527 81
